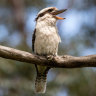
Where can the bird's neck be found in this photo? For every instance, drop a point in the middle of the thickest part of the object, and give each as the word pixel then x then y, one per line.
pixel 51 22
pixel 46 28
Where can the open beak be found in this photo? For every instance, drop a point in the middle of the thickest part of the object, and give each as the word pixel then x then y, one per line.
pixel 58 12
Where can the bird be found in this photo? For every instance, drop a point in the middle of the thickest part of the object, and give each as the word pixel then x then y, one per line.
pixel 45 41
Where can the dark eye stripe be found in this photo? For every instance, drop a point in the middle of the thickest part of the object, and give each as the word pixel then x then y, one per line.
pixel 40 15
pixel 50 10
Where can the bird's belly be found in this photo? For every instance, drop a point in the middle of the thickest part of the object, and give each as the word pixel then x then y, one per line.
pixel 46 44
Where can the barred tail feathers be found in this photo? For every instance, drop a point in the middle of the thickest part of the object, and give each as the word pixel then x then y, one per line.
pixel 41 79
pixel 40 83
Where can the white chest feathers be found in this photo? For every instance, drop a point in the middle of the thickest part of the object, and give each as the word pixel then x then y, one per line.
pixel 46 39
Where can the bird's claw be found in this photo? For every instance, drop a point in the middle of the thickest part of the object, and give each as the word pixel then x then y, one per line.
pixel 50 57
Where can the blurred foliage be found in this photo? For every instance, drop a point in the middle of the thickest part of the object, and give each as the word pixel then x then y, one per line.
pixel 16 27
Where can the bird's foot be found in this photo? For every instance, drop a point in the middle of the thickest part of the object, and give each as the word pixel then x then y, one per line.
pixel 50 57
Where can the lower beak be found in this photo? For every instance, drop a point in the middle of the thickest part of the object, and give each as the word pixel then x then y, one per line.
pixel 58 12
pixel 59 18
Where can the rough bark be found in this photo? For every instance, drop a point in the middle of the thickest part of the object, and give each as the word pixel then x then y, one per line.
pixel 65 61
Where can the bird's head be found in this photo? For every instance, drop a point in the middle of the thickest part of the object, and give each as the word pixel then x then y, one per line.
pixel 49 14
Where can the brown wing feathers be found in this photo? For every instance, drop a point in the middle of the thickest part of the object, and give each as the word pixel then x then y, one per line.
pixel 33 39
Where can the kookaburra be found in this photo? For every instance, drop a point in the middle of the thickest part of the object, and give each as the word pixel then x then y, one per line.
pixel 45 42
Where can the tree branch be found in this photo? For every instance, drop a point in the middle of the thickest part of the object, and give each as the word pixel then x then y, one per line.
pixel 65 61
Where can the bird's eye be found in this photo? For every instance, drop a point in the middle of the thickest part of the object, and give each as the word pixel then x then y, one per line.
pixel 50 10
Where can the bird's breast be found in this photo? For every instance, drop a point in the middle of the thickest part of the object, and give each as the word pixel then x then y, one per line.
pixel 46 41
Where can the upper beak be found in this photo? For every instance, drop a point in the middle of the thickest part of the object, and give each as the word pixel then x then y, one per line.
pixel 58 12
